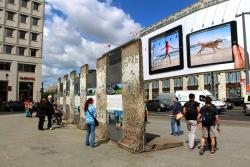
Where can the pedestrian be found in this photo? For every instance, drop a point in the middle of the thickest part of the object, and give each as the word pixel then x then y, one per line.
pixel 190 111
pixel 90 115
pixel 49 112
pixel 176 124
pixel 41 112
pixel 209 121
pixel 31 105
pixel 26 106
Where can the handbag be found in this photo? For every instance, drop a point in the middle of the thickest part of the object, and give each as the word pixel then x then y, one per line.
pixel 95 120
pixel 179 116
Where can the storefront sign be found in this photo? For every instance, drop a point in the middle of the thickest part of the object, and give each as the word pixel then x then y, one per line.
pixel 28 78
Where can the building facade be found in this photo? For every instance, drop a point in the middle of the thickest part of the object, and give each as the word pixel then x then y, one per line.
pixel 222 84
pixel 21 40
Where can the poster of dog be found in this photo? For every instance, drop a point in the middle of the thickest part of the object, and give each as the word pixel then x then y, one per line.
pixel 211 46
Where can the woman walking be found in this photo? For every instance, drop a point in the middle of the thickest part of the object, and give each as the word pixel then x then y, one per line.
pixel 90 115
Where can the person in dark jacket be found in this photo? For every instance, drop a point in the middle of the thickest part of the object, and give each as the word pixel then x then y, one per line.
pixel 175 124
pixel 50 111
pixel 41 112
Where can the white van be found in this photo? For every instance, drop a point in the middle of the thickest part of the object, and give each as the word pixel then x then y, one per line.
pixel 199 97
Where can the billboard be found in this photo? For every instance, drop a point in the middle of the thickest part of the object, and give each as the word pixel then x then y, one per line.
pixel 206 40
pixel 212 45
pixel 165 51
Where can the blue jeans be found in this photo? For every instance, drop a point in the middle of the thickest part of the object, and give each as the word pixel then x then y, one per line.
pixel 175 126
pixel 90 130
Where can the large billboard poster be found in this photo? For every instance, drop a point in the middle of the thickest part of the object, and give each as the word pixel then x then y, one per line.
pixel 212 45
pixel 209 39
pixel 166 51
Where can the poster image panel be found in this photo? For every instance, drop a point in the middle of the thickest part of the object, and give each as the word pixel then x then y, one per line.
pixel 212 45
pixel 166 51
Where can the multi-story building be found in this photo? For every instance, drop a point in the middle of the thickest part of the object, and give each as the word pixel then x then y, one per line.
pixel 21 40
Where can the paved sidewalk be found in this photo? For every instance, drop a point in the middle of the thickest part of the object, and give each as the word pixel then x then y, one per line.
pixel 22 145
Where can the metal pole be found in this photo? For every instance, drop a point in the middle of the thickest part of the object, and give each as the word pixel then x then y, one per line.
pixel 245 46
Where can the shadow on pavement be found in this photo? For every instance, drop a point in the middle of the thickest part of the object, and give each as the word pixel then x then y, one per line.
pixel 150 136
pixel 104 141
pixel 11 112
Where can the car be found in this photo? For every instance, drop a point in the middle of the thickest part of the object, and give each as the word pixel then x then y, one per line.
pixel 155 105
pixel 14 106
pixel 236 101
pixel 229 105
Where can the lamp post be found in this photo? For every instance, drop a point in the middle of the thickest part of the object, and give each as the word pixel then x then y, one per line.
pixel 245 45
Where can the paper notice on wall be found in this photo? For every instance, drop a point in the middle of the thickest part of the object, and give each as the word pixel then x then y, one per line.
pixel 77 101
pixel 114 102
pixel 68 100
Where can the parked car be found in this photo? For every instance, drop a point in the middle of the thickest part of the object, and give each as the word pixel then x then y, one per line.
pixel 236 101
pixel 14 106
pixel 155 105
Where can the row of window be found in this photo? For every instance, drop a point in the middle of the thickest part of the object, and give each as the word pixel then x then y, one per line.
pixel 22 18
pixel 21 67
pixel 231 77
pixel 24 3
pixel 21 34
pixel 8 49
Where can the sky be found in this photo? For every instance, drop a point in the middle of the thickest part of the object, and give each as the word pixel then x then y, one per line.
pixel 77 32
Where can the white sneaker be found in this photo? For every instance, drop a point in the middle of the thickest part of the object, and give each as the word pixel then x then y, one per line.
pixel 51 128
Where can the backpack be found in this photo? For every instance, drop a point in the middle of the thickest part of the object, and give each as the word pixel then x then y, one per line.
pixel 207 116
pixel 191 113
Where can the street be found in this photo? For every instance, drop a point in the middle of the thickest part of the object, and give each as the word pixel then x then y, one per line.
pixel 22 145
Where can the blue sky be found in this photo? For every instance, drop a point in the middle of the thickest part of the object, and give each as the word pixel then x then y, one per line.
pixel 78 32
pixel 148 12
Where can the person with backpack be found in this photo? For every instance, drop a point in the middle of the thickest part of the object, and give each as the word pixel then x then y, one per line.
pixel 190 111
pixel 209 120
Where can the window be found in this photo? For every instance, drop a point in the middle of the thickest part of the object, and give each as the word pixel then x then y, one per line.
pixel 35 6
pixel 34 36
pixel 5 66
pixel 24 3
pixel 34 21
pixel 22 34
pixel 11 1
pixel 21 51
pixel 33 52
pixel 233 77
pixel 10 15
pixel 155 84
pixel 23 18
pixel 166 83
pixel 192 81
pixel 8 49
pixel 178 82
pixel 26 68
pixel 9 32
pixel 146 86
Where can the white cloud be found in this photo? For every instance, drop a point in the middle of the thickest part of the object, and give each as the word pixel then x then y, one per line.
pixel 77 32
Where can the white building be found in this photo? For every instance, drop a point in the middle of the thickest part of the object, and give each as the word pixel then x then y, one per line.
pixel 21 39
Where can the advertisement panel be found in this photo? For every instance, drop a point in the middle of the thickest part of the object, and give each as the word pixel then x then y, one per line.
pixel 211 40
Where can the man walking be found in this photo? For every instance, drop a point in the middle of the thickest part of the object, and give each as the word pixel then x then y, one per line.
pixel 209 119
pixel 191 110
